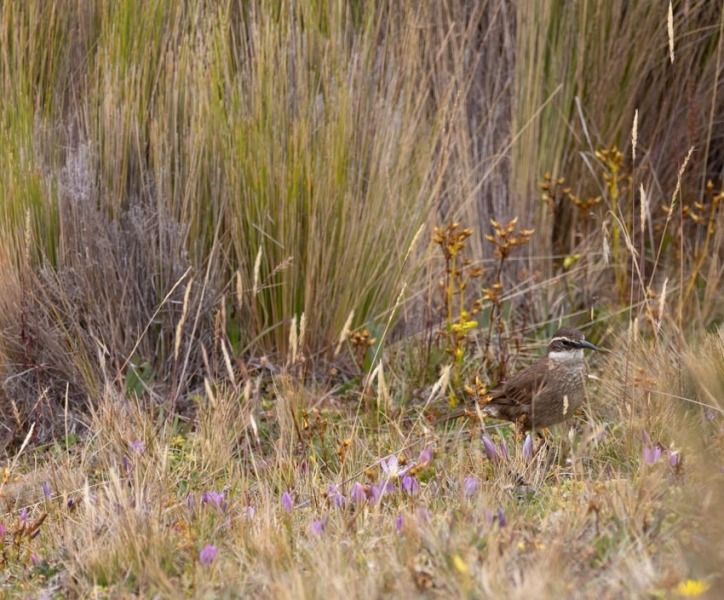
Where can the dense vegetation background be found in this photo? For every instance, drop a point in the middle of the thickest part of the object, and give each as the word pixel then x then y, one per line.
pixel 249 247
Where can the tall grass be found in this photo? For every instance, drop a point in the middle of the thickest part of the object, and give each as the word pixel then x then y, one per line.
pixel 333 159
pixel 214 214
pixel 582 74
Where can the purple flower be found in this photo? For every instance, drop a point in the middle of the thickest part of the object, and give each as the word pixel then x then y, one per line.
pixel 410 485
pixel 379 490
pixel 34 560
pixel 652 454
pixel 137 447
pixel 528 448
pixel 502 521
pixel 127 467
pixel 47 491
pixel 399 522
pixel 425 457
pixel 287 502
pixel 470 486
pixel 335 498
pixel 215 499
pixel 490 449
pixel 503 449
pixel 317 527
pixel 674 458
pixel 600 433
pixel 2 532
pixel 247 514
pixel 208 555
pixel 24 515
pixel 391 467
pixel 358 495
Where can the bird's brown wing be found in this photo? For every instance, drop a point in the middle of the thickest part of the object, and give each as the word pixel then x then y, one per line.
pixel 512 398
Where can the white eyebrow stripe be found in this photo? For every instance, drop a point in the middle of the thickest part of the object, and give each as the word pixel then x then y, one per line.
pixel 567 339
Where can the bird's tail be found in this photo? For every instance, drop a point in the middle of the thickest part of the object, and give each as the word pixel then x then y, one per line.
pixel 456 414
pixel 471 413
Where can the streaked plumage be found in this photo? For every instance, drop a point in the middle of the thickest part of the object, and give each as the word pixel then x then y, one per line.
pixel 548 391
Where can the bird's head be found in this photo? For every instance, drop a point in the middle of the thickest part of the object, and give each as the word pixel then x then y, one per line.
pixel 568 344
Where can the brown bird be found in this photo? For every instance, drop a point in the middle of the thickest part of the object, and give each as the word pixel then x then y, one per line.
pixel 545 393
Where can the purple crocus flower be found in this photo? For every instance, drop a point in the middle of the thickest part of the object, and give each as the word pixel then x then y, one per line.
pixel 652 454
pixel 208 555
pixel 137 447
pixel 317 527
pixel 470 486
pixel 379 490
pixel 503 449
pixel 674 458
pixel 47 492
pixel 335 497
pixel 127 467
pixel 425 458
pixel 287 502
pixel 247 514
pixel 215 499
pixel 410 485
pixel 358 494
pixel 2 531
pixel 502 521
pixel 399 522
pixel 391 467
pixel 490 449
pixel 528 448
pixel 24 515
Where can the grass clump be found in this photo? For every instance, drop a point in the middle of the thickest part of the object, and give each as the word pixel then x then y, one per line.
pixel 223 341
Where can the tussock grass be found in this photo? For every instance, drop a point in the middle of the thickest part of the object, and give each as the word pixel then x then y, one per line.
pixel 220 307
pixel 586 516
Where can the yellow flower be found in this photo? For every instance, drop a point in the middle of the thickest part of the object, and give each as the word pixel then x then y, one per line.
pixel 460 565
pixel 692 588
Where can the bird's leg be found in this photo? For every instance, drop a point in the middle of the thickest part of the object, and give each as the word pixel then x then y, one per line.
pixel 519 430
pixel 543 436
pixel 521 426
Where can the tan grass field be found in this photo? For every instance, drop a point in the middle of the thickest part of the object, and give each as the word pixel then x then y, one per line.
pixel 252 251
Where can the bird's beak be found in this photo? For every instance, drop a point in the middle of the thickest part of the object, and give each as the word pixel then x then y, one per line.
pixel 589 345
